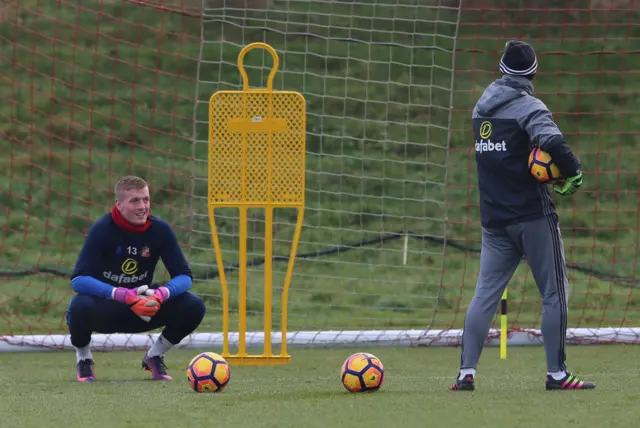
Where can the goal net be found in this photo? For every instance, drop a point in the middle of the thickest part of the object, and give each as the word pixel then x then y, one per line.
pixel 390 243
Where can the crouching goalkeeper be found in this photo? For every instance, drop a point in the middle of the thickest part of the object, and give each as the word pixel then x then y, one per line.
pixel 110 279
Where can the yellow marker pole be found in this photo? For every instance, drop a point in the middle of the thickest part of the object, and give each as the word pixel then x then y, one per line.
pixel 503 326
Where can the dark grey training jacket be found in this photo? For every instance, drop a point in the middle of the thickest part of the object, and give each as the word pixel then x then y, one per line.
pixel 508 122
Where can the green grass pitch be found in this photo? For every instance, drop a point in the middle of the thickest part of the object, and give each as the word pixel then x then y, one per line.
pixel 39 389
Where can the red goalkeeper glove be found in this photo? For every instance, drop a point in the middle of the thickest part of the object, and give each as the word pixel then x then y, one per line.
pixel 160 294
pixel 135 298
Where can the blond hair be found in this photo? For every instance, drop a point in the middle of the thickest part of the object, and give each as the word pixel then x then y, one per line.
pixel 128 182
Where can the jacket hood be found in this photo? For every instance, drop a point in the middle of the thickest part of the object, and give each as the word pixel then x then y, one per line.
pixel 503 91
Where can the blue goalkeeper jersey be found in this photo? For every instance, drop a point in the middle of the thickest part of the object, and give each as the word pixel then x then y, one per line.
pixel 112 256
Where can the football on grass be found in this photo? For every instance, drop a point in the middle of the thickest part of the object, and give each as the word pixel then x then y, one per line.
pixel 362 372
pixel 208 372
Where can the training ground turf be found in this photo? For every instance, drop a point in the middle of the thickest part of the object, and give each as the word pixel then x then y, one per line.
pixel 39 389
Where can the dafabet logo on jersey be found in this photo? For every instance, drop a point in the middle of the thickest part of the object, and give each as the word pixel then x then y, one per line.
pixel 485 130
pixel 129 269
pixel 485 144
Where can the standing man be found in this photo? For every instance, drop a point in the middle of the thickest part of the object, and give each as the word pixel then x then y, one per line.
pixel 111 279
pixel 517 213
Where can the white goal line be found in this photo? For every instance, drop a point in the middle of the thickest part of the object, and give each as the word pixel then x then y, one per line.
pixel 328 339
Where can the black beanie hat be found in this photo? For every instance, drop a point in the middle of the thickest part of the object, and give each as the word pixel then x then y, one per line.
pixel 518 59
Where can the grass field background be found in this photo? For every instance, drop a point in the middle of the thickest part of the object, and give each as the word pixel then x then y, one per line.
pixel 309 392
pixel 94 91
